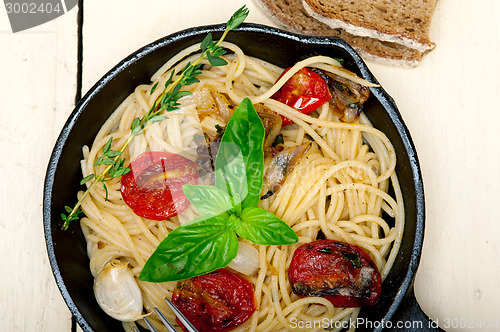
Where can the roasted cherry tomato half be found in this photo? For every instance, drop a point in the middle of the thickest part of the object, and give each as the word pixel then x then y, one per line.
pixel 153 187
pixel 305 91
pixel 215 302
pixel 340 272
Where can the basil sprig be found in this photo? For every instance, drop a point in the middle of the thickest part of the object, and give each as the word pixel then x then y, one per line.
pixel 229 208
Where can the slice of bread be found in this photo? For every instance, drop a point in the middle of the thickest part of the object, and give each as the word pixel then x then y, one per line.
pixel 291 15
pixel 406 22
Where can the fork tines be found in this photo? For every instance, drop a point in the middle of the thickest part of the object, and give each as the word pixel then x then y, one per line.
pixel 166 322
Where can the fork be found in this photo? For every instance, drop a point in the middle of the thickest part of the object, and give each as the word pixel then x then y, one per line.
pixel 166 322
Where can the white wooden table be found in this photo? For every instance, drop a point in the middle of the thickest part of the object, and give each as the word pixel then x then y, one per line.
pixel 450 104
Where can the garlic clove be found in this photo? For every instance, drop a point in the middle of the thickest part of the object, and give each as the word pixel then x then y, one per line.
pixel 246 260
pixel 117 292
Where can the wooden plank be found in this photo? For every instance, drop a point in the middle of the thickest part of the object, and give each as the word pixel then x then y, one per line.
pixel 38 84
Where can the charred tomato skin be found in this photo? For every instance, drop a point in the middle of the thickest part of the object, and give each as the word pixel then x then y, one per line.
pixel 305 91
pixel 340 272
pixel 215 302
pixel 153 187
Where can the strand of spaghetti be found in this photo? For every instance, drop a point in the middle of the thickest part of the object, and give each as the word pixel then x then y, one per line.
pixel 344 133
pixel 146 232
pixel 282 280
pixel 305 171
pixel 281 198
pixel 271 315
pixel 233 72
pixel 399 226
pixel 105 235
pixel 238 53
pixel 375 254
pixel 339 232
pixel 106 254
pixel 306 224
pixel 302 203
pixel 336 207
pixel 322 211
pixel 353 318
pixel 140 94
pixel 246 86
pixel 127 326
pixel 263 74
pixel 301 119
pixel 106 218
pixel 342 73
pixel 350 197
pixel 356 141
pixel 153 297
pixel 369 240
pixel 301 303
pixel 259 284
pixel 372 218
pixel 277 302
pixel 279 108
pixel 353 227
pixel 364 125
pixel 363 186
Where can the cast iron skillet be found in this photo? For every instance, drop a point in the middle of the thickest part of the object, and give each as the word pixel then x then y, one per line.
pixel 67 249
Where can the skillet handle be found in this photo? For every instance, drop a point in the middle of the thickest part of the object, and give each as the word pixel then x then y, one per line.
pixel 411 316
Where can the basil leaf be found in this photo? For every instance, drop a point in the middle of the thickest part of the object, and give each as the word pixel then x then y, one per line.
pixel 233 222
pixel 192 250
pixel 230 172
pixel 245 129
pixel 262 227
pixel 209 201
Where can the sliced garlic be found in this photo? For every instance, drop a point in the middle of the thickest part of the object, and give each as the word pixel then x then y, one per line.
pixel 246 260
pixel 117 292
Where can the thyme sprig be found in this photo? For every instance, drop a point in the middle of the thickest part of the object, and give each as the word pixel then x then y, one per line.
pixel 167 101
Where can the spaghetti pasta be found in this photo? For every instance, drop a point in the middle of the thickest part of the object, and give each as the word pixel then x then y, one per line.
pixel 339 188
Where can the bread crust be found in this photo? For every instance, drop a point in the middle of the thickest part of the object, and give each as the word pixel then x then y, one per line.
pixel 291 15
pixel 406 22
